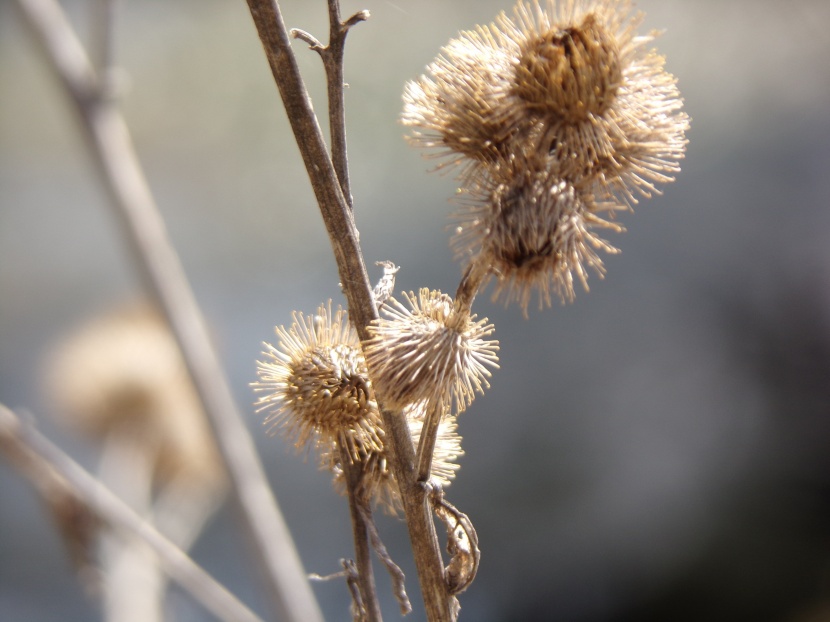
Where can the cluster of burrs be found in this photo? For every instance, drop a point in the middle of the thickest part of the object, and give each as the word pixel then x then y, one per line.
pixel 555 117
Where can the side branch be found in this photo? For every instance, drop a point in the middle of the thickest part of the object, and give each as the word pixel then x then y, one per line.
pixel 332 56
pixel 363 560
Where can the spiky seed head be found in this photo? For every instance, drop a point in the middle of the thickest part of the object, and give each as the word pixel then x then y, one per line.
pixel 316 386
pixel 534 233
pixel 460 110
pixel 377 482
pixel 570 83
pixel 429 350
pixel 571 72
pixel 605 111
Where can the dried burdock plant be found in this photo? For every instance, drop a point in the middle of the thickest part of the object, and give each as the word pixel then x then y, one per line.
pixel 122 372
pixel 378 485
pixel 121 379
pixel 555 118
pixel 316 385
pixel 430 350
pixel 553 115
pixel 532 231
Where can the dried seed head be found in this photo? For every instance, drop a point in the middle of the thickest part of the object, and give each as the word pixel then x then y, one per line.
pixel 534 233
pixel 604 110
pixel 377 482
pixel 461 110
pixel 122 373
pixel 429 351
pixel 571 72
pixel 317 385
pixel 569 84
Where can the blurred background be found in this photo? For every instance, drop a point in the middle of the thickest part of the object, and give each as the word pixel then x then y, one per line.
pixel 657 450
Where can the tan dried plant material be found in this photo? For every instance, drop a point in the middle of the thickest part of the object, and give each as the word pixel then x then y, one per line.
pixel 535 233
pixel 316 386
pixel 377 482
pixel 570 83
pixel 430 351
pixel 458 110
pixel 123 371
pixel 553 114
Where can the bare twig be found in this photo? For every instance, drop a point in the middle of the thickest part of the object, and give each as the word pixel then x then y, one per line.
pixel 343 236
pixel 395 573
pixel 143 226
pixel 49 469
pixel 349 573
pixel 102 48
pixel 332 56
pixel 363 559
pixel 474 277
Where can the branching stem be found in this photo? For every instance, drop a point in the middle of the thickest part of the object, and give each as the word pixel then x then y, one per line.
pixel 343 236
pixel 332 56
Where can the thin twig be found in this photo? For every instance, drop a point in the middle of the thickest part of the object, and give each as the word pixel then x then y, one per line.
pixel 395 572
pixel 333 61
pixel 332 56
pixel 474 277
pixel 429 436
pixel 363 557
pixel 472 280
pixel 48 468
pixel 343 236
pixel 134 584
pixel 143 226
pixel 102 44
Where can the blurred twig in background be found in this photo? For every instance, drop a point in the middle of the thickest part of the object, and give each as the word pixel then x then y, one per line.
pixel 112 146
pixel 64 484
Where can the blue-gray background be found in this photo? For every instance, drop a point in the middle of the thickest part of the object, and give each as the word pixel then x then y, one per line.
pixel 658 450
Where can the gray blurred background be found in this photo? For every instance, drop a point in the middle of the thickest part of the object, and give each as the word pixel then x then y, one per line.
pixel 658 450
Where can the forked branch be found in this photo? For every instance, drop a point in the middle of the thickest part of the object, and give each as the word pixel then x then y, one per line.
pixel 343 236
pixel 332 56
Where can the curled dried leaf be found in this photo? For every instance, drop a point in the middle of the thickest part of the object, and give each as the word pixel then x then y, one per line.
pixel 462 544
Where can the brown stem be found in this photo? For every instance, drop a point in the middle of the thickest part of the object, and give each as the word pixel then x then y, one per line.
pixel 429 435
pixel 335 84
pixel 343 237
pixel 363 559
pixel 145 230
pixel 472 280
pixel 332 56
